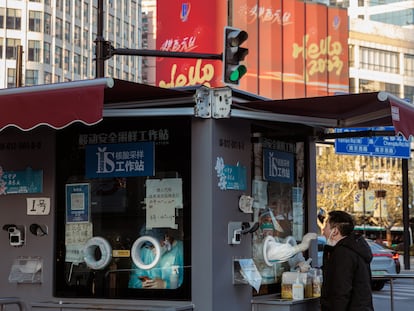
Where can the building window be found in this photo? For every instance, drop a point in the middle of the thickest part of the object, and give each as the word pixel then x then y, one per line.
pixel 77 35
pixel 78 9
pixel 59 5
pixel 393 89
pixel 11 77
pixel 14 19
pixel 59 28
pixel 85 65
pixel 110 23
pixel 1 47
pixel 58 57
pixel 34 51
pixel 76 64
pixel 57 79
pixel 1 18
pixel 379 60
pixel 68 7
pixel 86 13
pixel 118 26
pixel 47 77
pixel 47 27
pixel 126 31
pixel 86 39
pixel 409 65
pixel 35 21
pixel 67 60
pixel 126 8
pixel 32 77
pixel 409 93
pixel 68 32
pixel 11 48
pixel 46 52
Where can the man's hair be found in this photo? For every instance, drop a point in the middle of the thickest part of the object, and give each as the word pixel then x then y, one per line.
pixel 341 220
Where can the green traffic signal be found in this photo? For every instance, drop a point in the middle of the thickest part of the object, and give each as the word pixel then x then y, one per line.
pixel 237 73
pixel 233 54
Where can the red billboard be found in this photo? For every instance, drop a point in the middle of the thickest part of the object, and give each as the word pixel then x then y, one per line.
pixel 190 26
pixel 296 48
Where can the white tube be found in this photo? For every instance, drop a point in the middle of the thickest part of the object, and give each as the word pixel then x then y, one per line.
pixel 136 252
pixel 89 253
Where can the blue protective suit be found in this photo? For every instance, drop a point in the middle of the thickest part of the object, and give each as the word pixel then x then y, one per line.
pixel 163 269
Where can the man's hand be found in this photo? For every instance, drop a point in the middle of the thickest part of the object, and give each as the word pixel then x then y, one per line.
pixel 154 283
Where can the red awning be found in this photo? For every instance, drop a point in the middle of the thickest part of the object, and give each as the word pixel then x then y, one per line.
pixel 374 109
pixel 56 105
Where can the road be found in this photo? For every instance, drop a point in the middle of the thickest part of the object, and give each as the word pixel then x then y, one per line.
pixel 403 295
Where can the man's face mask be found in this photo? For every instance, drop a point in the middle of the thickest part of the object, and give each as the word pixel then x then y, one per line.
pixel 330 241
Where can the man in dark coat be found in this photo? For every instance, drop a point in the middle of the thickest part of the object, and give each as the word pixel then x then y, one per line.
pixel 346 267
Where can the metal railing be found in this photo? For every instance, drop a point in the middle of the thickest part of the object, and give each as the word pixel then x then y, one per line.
pixel 391 277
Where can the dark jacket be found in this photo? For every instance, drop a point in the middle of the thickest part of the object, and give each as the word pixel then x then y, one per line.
pixel 347 276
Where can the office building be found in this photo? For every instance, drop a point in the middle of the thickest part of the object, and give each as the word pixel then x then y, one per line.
pixel 57 40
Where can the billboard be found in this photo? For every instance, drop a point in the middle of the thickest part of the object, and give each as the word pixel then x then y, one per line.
pixel 190 26
pixel 296 49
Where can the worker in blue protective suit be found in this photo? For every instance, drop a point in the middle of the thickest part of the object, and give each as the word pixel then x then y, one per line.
pixel 168 272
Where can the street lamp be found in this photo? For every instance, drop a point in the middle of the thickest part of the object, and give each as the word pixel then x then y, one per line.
pixel 363 185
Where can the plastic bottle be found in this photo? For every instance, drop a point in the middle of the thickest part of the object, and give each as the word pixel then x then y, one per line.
pixel 298 291
pixel 316 283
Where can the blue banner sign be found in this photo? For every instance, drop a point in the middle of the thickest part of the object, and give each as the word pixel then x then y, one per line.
pixel 235 176
pixel 120 160
pixel 278 166
pixel 380 146
pixel 18 182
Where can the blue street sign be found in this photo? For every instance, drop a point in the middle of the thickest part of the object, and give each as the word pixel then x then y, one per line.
pixel 380 146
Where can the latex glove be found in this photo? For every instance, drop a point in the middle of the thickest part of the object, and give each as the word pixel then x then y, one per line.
pixel 307 238
pixel 304 266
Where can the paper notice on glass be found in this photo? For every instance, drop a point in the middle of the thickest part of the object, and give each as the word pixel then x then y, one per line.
pixel 250 273
pixel 163 197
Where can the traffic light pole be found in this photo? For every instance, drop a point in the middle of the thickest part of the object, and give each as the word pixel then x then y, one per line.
pixel 139 52
pixel 100 42
pixel 104 50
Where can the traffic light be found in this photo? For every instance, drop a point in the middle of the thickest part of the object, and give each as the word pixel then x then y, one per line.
pixel 233 54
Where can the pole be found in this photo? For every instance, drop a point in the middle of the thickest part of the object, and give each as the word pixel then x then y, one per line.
pixel 406 214
pixel 19 65
pixel 140 52
pixel 100 42
pixel 363 197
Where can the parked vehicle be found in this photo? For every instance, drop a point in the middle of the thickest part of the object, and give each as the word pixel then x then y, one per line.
pixel 385 261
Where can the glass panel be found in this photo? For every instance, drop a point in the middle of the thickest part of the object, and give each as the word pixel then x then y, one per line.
pixel 131 203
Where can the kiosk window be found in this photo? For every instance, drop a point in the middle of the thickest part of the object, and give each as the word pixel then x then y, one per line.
pixel 123 192
pixel 278 189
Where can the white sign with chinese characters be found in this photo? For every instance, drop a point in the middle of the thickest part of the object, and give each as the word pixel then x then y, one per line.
pixel 38 206
pixel 162 198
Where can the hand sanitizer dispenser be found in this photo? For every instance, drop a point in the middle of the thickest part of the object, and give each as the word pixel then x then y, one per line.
pixel 298 291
